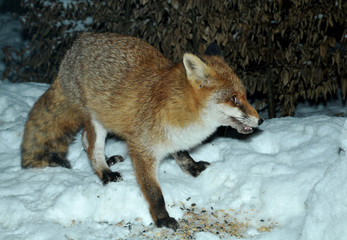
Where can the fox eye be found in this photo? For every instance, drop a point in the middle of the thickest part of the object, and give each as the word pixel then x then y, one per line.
pixel 235 100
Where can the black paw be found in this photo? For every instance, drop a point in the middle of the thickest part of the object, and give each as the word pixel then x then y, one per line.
pixel 168 222
pixel 196 168
pixel 114 159
pixel 111 177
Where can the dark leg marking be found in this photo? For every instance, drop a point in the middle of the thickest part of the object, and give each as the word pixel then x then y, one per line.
pixel 158 210
pixel 109 176
pixel 113 160
pixel 145 168
pixel 188 165
pixel 168 222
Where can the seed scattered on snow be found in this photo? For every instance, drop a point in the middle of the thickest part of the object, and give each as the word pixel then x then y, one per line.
pixel 221 223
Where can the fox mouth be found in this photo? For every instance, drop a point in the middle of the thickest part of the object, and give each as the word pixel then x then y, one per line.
pixel 241 127
pixel 246 129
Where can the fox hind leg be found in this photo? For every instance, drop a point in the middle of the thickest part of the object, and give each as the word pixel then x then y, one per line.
pixel 109 160
pixel 93 139
pixel 188 165
pixel 113 159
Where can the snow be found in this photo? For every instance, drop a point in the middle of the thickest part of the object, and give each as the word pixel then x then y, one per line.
pixel 285 181
pixel 291 171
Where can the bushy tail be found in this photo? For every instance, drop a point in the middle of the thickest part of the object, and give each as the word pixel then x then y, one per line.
pixel 51 126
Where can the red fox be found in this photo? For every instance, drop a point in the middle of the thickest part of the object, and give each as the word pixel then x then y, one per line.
pixel 110 83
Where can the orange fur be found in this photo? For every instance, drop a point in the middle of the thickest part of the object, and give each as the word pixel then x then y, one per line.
pixel 122 85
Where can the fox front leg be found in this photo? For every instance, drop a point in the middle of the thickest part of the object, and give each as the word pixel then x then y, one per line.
pixel 145 169
pixel 188 165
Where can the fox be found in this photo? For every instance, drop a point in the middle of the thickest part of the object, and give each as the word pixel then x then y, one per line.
pixel 109 83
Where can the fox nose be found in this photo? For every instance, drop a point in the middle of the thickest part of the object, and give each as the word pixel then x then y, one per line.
pixel 260 121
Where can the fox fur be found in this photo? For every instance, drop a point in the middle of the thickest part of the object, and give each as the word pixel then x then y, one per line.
pixel 110 83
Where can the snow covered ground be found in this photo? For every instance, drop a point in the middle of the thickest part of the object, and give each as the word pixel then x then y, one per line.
pixel 286 181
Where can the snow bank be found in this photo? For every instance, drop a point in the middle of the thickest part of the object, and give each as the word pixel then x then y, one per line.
pixel 327 203
pixel 286 181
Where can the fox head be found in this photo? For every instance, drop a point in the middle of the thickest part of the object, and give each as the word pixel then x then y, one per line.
pixel 225 95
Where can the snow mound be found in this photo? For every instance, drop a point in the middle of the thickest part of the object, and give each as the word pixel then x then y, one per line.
pixel 327 203
pixel 286 181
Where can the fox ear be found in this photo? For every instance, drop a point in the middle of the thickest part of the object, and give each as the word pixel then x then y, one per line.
pixel 197 70
pixel 213 50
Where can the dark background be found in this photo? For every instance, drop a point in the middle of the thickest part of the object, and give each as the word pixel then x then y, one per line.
pixel 284 51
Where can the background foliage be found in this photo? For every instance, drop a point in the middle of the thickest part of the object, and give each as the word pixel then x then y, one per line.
pixel 283 50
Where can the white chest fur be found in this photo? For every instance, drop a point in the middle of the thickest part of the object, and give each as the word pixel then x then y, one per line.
pixel 193 134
